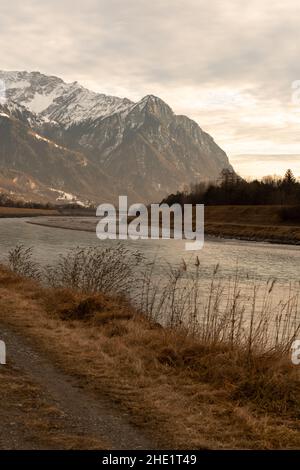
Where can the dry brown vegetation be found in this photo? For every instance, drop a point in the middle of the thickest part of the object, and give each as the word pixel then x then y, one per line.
pixel 24 212
pixel 269 233
pixel 255 215
pixel 187 393
pixel 250 223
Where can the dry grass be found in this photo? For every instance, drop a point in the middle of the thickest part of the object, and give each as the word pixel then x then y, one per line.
pixel 250 223
pixel 23 212
pixel 270 233
pixel 234 313
pixel 255 215
pixel 186 393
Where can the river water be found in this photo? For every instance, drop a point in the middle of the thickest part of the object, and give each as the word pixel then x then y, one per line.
pixel 259 261
pixel 256 263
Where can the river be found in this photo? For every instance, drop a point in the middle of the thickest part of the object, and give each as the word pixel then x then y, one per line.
pixel 257 264
pixel 255 260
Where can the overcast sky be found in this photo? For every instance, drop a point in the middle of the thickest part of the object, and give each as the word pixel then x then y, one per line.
pixel 229 65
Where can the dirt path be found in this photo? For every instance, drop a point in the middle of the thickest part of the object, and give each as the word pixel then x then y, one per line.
pixel 87 421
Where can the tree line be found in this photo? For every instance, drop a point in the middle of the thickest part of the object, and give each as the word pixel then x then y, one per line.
pixel 231 189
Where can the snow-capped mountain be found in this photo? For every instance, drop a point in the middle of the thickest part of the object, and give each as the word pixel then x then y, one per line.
pixel 55 100
pixel 20 112
pixel 143 149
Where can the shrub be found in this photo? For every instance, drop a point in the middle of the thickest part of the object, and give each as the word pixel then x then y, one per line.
pixel 112 270
pixel 20 261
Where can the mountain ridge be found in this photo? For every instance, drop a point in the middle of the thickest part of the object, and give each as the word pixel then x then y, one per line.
pixel 144 147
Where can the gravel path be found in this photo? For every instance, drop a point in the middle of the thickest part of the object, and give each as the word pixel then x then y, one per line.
pixel 83 415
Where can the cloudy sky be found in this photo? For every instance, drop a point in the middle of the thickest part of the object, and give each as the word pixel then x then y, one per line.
pixel 232 66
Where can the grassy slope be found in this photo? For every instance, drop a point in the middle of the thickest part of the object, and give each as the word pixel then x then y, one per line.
pixel 183 393
pixel 250 222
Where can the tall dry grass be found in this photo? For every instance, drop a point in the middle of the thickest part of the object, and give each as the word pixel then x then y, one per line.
pixel 230 313
pixel 223 358
pixel 21 262
pixel 111 270
pixel 220 312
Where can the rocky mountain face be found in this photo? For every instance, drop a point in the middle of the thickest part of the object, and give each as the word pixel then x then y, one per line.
pixel 95 146
pixel 35 168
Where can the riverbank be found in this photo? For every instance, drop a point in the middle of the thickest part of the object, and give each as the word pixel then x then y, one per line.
pixel 285 235
pixel 169 387
pixel 252 223
pixel 11 212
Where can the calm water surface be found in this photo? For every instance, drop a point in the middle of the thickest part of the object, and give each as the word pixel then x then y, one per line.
pixel 259 261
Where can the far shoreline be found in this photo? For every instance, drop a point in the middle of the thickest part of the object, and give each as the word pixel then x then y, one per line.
pixel 18 212
pixel 214 234
pixel 241 223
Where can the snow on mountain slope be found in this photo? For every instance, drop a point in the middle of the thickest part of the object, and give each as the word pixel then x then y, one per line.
pixel 20 112
pixel 33 90
pixel 55 100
